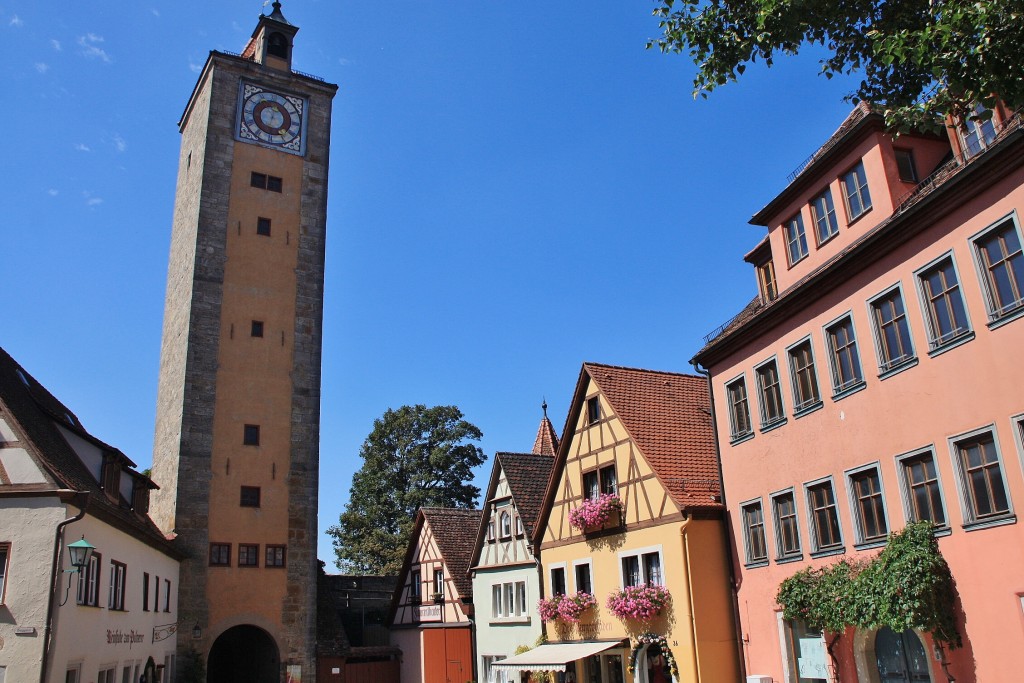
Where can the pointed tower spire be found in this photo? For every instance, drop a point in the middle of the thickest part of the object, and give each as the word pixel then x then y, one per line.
pixel 546 442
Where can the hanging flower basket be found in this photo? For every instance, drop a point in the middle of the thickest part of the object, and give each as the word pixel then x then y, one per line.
pixel 571 607
pixel 638 602
pixel 548 608
pixel 595 512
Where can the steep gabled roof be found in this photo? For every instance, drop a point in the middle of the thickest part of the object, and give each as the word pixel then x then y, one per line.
pixel 41 417
pixel 668 417
pixel 527 475
pixel 454 532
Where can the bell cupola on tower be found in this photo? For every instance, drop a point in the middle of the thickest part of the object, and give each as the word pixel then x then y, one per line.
pixel 271 42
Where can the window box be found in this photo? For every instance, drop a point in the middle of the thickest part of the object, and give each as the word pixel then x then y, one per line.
pixel 597 513
pixel 641 603
pixel 438 598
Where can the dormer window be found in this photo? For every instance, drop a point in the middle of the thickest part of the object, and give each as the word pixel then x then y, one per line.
pixel 140 497
pixel 796 239
pixel 111 476
pixel 766 281
pixel 978 132
pixel 277 45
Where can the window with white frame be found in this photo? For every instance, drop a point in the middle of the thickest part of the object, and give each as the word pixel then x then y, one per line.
pixel 491 674
pixel 753 532
pixel 824 517
pixel 981 477
pixel 796 239
pixel 844 360
pixel 892 331
pixel 739 409
pixel 922 490
pixel 106 675
pixel 855 191
pixel 824 213
pixel 506 524
pixel 522 606
pixel 865 486
pixel 769 392
pixel 1001 263
pixel 490 529
pixel 802 373
pixel 557 575
pixel 497 601
pixel 945 312
pixel 439 581
pixel 89 581
pixel 509 601
pixel 115 597
pixel 519 526
pixel 978 132
pixel 787 530
pixel 584 580
pixel 71 675
pixel 642 567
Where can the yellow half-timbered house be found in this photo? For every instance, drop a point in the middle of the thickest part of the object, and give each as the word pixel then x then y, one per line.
pixel 632 539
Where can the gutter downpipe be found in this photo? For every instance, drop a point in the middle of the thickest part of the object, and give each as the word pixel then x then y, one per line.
pixel 726 529
pixel 694 665
pixel 57 536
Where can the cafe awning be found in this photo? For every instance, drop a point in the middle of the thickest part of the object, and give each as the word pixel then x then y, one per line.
pixel 553 656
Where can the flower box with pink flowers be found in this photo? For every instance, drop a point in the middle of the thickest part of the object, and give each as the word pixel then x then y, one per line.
pixel 568 608
pixel 641 603
pixel 595 513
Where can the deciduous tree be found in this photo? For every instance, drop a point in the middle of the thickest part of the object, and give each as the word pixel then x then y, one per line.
pixel 415 457
pixel 919 59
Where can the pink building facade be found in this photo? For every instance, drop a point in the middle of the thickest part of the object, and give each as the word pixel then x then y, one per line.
pixel 875 380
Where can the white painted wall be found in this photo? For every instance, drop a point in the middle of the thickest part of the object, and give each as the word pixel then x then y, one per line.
pixel 500 636
pixel 28 525
pixel 408 640
pixel 80 633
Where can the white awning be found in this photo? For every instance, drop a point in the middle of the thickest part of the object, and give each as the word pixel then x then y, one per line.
pixel 553 656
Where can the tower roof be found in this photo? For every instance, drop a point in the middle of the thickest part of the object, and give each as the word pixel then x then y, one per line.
pixel 546 442
pixel 276 14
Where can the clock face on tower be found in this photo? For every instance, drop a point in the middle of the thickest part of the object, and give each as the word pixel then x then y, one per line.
pixel 271 119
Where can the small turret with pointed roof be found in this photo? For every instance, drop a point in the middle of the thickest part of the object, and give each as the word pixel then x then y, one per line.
pixel 271 42
pixel 546 442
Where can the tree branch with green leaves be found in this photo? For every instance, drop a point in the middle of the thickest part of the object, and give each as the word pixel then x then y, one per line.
pixel 918 60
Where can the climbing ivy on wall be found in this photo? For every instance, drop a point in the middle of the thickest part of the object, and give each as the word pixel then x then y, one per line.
pixel 908 585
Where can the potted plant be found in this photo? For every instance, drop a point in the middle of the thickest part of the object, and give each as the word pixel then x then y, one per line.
pixel 638 602
pixel 571 607
pixel 548 608
pixel 595 512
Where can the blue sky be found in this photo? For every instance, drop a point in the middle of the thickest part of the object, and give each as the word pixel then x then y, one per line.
pixel 515 188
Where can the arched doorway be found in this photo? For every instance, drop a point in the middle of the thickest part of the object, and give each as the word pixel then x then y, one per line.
pixel 652 663
pixel 900 657
pixel 244 654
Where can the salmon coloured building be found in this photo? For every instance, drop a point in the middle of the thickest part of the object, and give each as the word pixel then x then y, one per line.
pixel 875 381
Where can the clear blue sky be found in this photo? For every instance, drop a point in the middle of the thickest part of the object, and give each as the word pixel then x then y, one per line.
pixel 515 188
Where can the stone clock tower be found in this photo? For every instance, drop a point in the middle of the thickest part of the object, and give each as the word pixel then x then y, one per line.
pixel 238 408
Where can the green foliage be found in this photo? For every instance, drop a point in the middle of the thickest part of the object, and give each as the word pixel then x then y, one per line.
pixel 414 457
pixel 919 59
pixel 908 585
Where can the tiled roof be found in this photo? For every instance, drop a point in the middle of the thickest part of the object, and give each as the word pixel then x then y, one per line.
pixel 38 412
pixel 546 442
pixel 527 475
pixel 454 531
pixel 668 415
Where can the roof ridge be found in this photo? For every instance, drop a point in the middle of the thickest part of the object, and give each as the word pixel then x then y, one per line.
pixel 644 370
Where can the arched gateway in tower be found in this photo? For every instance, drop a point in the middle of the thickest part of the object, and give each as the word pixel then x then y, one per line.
pixel 238 408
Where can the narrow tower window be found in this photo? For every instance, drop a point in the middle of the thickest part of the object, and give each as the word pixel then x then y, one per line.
pixel 263 226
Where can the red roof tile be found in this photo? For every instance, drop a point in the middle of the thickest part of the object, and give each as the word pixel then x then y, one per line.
pixel 454 531
pixel 668 415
